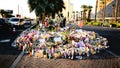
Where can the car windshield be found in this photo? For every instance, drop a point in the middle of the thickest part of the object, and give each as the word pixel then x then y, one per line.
pixel 15 19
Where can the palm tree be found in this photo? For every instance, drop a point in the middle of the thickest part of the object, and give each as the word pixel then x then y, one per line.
pixel 38 6
pixel 77 15
pixel 113 11
pixel 103 9
pixel 73 14
pixel 46 7
pixel 89 8
pixel 81 14
pixel 119 11
pixel 96 7
pixel 84 7
pixel 116 10
pixel 57 6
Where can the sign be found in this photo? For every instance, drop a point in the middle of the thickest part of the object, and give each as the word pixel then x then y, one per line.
pixel 80 24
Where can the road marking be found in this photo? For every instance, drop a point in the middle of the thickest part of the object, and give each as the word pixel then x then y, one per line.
pixel 5 40
pixel 112 53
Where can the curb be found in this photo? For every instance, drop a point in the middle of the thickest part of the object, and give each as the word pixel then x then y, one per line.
pixel 98 26
pixel 17 60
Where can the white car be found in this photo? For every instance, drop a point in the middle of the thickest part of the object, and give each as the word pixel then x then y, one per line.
pixel 16 21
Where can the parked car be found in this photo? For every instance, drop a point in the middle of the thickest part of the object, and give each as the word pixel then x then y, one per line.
pixel 5 25
pixel 16 21
pixel 27 23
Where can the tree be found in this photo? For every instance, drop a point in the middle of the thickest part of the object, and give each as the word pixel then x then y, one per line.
pixel 116 10
pixel 81 13
pixel 119 11
pixel 89 8
pixel 103 9
pixel 46 7
pixel 113 11
pixel 6 13
pixel 74 14
pixel 77 15
pixel 84 7
pixel 96 7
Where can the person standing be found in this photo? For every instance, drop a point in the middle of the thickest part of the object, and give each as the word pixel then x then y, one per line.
pixel 64 22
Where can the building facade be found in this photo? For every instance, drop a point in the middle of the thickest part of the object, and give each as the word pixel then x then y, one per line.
pixel 68 11
pixel 109 8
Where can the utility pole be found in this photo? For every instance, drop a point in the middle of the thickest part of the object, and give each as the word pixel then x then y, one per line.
pixel 104 10
pixel 96 7
pixel 68 10
pixel 18 8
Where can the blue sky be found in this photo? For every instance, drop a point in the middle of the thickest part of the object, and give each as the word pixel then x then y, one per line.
pixel 23 7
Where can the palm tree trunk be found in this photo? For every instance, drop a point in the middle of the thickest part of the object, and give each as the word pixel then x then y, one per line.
pixel 113 15
pixel 116 10
pixel 104 10
pixel 89 15
pixel 81 15
pixel 96 9
pixel 84 16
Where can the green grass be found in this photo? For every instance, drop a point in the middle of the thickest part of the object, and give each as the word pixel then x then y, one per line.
pixel 93 23
pixel 106 24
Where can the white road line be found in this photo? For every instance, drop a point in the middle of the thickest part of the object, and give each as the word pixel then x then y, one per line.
pixel 112 53
pixel 5 40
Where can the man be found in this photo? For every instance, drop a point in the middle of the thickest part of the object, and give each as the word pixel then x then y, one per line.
pixel 64 22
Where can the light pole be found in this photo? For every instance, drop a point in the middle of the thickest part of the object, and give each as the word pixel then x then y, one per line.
pixel 18 8
pixel 68 10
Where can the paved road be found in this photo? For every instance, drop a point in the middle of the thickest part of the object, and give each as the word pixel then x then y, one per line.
pixel 112 34
pixel 8 54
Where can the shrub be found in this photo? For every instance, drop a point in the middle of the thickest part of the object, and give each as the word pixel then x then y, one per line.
pixel 106 24
pixel 96 23
pixel 88 23
pixel 118 25
pixel 92 23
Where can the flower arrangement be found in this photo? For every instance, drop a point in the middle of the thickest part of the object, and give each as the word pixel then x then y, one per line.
pixel 67 43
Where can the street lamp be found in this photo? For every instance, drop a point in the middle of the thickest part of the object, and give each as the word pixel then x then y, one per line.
pixel 68 10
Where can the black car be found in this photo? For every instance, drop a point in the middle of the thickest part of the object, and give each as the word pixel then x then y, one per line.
pixel 5 25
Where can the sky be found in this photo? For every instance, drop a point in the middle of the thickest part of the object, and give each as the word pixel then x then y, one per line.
pixel 24 10
pixel 77 4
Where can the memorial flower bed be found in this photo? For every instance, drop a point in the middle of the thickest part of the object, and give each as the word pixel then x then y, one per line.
pixel 65 43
